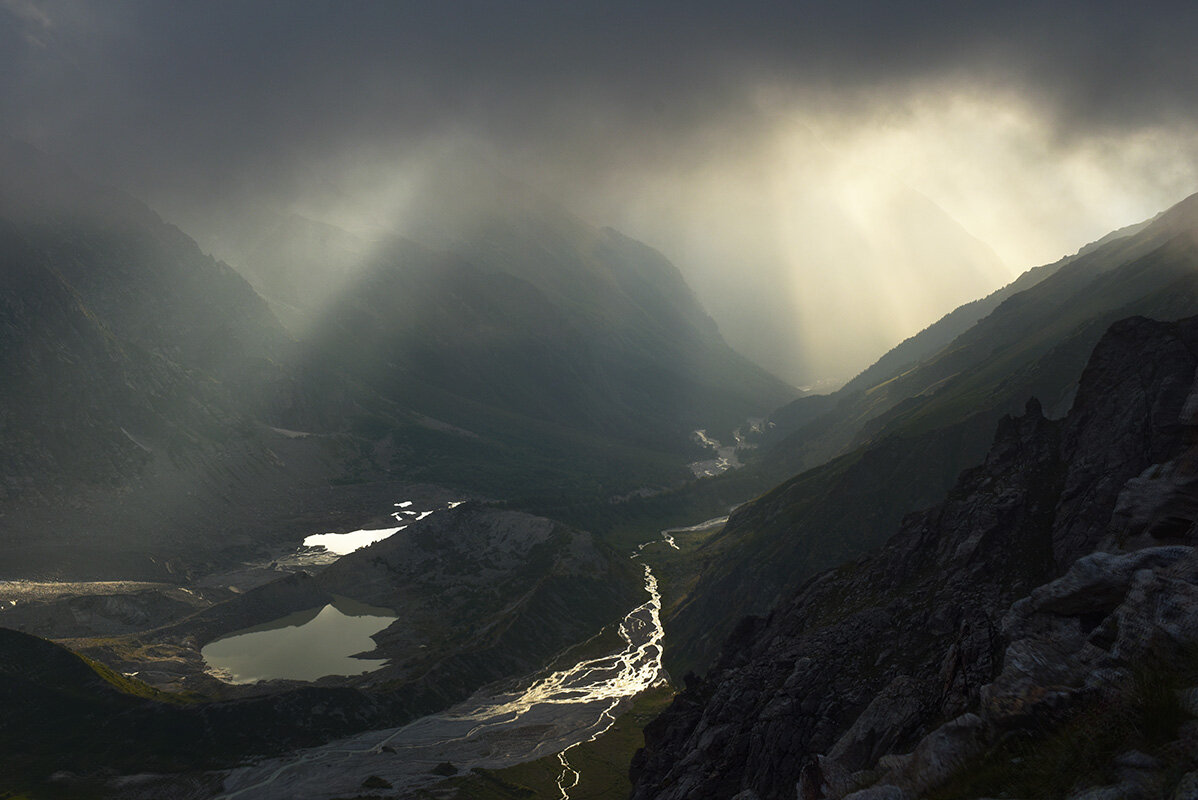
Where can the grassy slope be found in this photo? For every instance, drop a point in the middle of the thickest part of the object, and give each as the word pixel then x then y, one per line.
pixel 1066 755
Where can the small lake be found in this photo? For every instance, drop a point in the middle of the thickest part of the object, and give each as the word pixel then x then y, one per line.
pixel 303 646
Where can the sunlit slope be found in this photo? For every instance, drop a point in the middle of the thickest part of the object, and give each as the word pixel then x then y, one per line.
pixel 932 339
pixel 913 432
pixel 1038 341
pixel 986 349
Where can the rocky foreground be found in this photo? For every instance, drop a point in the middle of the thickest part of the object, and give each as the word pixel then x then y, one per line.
pixel 1034 635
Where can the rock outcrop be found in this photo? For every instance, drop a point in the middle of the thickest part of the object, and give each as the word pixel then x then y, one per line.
pixel 1006 611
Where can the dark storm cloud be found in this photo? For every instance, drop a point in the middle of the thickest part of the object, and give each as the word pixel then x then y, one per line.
pixel 761 145
pixel 218 89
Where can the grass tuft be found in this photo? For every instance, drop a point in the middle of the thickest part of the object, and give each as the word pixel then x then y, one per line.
pixel 1062 755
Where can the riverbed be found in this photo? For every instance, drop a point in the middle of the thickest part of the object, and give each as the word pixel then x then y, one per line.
pixel 550 714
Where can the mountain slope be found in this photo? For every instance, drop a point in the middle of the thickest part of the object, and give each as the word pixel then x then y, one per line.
pixel 133 364
pixel 920 366
pixel 162 410
pixel 503 299
pixel 872 658
pixel 910 435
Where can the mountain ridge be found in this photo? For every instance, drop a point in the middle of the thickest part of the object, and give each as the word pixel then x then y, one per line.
pixel 920 428
pixel 902 652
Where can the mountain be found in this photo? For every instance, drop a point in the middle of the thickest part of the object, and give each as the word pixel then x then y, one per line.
pixel 909 353
pixel 897 440
pixel 132 362
pixel 498 301
pixel 1030 635
pixel 157 416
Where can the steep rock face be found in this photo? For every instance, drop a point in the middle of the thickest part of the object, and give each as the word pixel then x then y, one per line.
pixel 871 658
pixel 813 522
pixel 133 367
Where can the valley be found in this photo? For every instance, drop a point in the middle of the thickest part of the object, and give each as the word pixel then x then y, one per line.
pixel 371 427
pixel 556 712
pixel 575 699
pixel 452 641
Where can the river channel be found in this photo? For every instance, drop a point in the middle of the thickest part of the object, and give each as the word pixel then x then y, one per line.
pixel 550 714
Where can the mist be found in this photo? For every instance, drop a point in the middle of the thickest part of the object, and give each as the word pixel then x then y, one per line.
pixel 829 179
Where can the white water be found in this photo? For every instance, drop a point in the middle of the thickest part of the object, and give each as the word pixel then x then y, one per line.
pixel 667 535
pixel 725 456
pixel 343 543
pixel 553 714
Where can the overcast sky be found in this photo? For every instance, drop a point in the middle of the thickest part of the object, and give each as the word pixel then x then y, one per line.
pixel 830 176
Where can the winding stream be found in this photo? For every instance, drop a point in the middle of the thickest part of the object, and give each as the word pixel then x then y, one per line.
pixel 554 713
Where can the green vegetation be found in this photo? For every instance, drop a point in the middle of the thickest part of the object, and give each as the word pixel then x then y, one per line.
pixel 134 687
pixel 602 765
pixel 679 570
pixel 640 519
pixel 1064 755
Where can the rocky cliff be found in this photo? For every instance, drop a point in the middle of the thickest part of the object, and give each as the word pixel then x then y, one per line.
pixel 1032 601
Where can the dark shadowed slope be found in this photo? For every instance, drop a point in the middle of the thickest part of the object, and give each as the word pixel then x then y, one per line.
pixel 918 648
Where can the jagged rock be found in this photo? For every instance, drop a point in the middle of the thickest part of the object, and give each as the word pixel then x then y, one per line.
pixel 872 657
pixel 1160 613
pixel 1055 638
pixel 1121 791
pixel 942 753
pixel 1158 505
pixel 821 777
pixel 1187 787
pixel 1189 700
pixel 891 714
pixel 1093 584
pixel 1134 759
